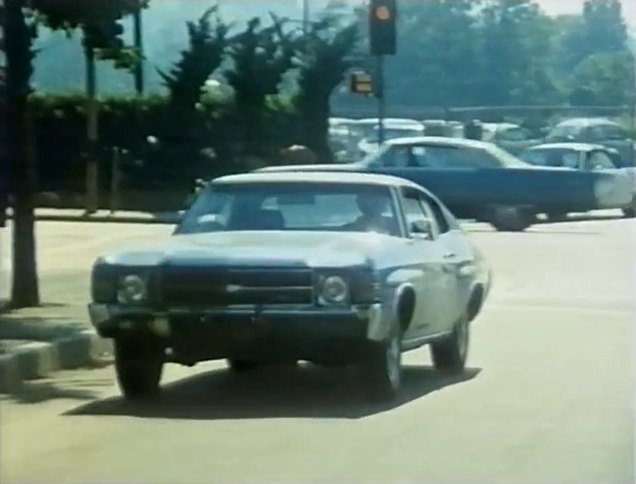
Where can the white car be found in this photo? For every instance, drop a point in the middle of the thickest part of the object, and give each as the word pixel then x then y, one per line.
pixel 281 267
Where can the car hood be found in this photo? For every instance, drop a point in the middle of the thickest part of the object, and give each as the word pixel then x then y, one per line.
pixel 261 249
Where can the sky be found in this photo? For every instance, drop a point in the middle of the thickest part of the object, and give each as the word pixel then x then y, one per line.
pixel 557 7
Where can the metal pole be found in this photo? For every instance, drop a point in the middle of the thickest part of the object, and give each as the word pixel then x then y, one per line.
pixel 139 47
pixel 91 132
pixel 381 98
pixel 305 16
pixel 115 178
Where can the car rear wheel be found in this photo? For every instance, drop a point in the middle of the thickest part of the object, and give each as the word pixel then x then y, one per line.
pixel 382 367
pixel 556 216
pixel 242 365
pixel 511 219
pixel 138 364
pixel 450 354
pixel 630 212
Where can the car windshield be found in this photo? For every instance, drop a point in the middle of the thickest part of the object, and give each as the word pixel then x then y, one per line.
pixel 335 207
pixel 563 132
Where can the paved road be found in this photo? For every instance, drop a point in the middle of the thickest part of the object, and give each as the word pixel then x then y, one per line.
pixel 548 397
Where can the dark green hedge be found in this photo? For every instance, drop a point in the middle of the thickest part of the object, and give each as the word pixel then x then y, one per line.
pixel 206 143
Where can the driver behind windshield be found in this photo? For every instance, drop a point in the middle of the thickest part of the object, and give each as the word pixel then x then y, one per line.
pixel 372 219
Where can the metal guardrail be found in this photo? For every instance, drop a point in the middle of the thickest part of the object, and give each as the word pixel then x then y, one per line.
pixel 471 112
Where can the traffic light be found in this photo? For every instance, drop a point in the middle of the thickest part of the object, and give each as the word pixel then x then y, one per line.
pixel 382 27
pixel 361 83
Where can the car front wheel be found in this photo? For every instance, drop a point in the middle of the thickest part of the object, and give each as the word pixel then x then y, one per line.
pixel 630 212
pixel 138 364
pixel 382 367
pixel 450 354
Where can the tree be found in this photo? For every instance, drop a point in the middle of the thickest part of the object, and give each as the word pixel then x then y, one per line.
pixel 516 54
pixel 437 39
pixel 326 56
pixel 604 26
pixel 599 29
pixel 4 168
pixel 260 57
pixel 18 48
pixel 205 53
pixel 21 23
pixel 603 80
pixel 186 84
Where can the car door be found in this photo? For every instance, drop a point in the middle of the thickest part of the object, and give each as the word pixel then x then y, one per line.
pixel 452 255
pixel 457 264
pixel 426 264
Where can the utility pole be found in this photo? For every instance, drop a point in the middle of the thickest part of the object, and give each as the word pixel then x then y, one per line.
pixel 305 16
pixel 139 47
pixel 379 93
pixel 382 38
pixel 91 131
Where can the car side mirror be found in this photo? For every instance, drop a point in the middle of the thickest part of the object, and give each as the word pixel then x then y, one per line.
pixel 421 229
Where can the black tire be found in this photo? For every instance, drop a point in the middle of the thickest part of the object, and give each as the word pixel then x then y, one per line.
pixel 382 367
pixel 630 212
pixel 138 364
pixel 449 355
pixel 242 365
pixel 556 216
pixel 511 219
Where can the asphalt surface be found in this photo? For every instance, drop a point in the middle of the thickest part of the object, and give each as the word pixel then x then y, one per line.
pixel 548 396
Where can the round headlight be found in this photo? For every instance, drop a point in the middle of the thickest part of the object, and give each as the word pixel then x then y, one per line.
pixel 334 290
pixel 132 290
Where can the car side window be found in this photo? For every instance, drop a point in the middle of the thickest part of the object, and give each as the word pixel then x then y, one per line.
pixel 451 157
pixel 597 160
pixel 419 218
pixel 438 215
pixel 395 157
pixel 612 132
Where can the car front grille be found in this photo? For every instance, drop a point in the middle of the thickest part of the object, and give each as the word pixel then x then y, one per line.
pixel 201 286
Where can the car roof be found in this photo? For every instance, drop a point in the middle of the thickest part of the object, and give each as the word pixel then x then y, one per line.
pixel 569 146
pixel 579 122
pixel 315 177
pixel 439 141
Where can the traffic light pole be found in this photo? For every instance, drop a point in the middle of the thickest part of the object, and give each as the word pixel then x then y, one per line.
pixel 138 38
pixel 379 93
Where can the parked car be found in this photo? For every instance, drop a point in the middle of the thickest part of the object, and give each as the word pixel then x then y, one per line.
pixel 478 180
pixel 583 157
pixel 392 129
pixel 281 267
pixel 598 131
pixel 509 136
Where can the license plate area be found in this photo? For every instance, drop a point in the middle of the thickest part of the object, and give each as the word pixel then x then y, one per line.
pixel 213 330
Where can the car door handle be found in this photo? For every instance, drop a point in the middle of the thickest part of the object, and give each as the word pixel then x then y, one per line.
pixel 450 255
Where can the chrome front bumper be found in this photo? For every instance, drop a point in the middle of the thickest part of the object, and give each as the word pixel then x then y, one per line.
pixel 373 320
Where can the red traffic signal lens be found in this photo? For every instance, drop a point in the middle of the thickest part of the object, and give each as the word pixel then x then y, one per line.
pixel 382 13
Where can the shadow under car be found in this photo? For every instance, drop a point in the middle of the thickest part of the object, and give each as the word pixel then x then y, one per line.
pixel 303 392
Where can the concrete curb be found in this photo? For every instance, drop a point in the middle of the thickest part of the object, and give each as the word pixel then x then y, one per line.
pixel 38 360
pixel 171 219
pixel 108 219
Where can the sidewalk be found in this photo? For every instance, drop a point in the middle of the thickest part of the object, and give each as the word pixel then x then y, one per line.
pixel 79 215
